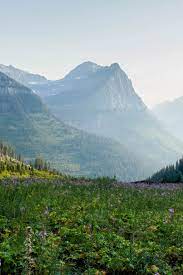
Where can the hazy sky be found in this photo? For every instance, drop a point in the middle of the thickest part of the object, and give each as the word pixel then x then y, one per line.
pixel 144 36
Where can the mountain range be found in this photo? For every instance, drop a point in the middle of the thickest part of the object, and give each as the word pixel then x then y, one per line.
pixel 27 124
pixel 101 102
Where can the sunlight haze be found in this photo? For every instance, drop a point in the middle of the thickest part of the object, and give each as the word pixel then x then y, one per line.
pixel 144 37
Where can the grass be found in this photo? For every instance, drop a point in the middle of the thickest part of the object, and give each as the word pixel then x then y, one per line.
pixel 28 174
pixel 62 228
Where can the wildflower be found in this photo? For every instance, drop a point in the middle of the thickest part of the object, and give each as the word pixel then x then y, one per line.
pixel 30 263
pixel 22 209
pixel 171 210
pixel 171 213
pixel 43 234
pixel 46 212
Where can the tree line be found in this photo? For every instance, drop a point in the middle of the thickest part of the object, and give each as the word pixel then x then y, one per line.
pixel 11 162
pixel 171 173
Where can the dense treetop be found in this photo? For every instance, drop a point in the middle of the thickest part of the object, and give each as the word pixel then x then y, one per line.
pixel 171 173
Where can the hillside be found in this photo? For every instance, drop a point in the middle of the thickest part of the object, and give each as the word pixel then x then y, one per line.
pixel 26 123
pixel 13 166
pixel 102 100
pixel 170 113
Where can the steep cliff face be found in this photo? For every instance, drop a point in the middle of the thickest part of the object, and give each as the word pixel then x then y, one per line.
pixel 109 87
pixel 91 95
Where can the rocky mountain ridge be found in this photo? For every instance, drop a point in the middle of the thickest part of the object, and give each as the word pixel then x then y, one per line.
pixel 22 76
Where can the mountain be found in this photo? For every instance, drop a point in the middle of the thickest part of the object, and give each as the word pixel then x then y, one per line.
pixel 170 113
pixel 102 100
pixel 27 124
pixel 21 76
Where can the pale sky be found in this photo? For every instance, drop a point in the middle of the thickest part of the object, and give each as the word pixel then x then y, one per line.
pixel 52 37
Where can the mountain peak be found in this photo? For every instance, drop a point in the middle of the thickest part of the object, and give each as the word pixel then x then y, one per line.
pixel 88 63
pixel 100 89
pixel 115 66
pixel 83 70
pixel 88 68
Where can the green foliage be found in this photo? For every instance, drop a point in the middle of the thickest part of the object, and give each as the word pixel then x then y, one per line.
pixel 99 228
pixel 172 173
pixel 12 164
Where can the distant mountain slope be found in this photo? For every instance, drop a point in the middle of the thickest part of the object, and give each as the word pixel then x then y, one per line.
pixel 26 123
pixel 171 113
pixel 102 100
pixel 21 76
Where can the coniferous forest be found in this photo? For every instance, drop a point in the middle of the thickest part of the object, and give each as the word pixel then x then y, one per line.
pixel 171 173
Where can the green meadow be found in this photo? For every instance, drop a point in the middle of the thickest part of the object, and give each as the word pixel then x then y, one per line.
pixel 62 227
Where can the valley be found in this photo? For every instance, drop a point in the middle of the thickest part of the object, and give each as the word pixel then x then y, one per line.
pixel 91 137
pixel 99 125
